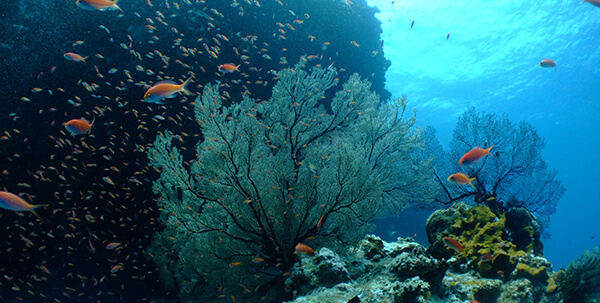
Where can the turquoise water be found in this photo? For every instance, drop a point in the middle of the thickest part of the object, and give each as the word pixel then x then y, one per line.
pixel 490 61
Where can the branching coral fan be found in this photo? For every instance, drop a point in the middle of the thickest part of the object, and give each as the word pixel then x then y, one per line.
pixel 271 174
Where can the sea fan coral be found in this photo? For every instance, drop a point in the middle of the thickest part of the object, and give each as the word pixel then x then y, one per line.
pixel 580 282
pixel 271 174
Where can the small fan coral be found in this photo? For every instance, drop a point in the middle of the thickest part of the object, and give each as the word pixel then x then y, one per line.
pixel 580 282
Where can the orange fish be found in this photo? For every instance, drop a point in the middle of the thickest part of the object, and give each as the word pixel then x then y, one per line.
pixel 113 245
pixel 98 5
pixel 15 203
pixel 78 126
pixel 228 68
pixel 305 249
pixel 116 268
pixel 453 244
pixel 320 223
pixel 460 179
pixel 474 155
pixel 592 2
pixel 165 89
pixel 75 57
pixel 550 62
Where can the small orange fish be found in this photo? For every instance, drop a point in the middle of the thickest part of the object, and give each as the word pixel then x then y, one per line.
pixel 78 126
pixel 474 155
pixel 549 62
pixel 228 68
pixel 98 5
pixel 305 249
pixel 113 245
pixel 13 202
pixel 592 2
pixel 165 89
pixel 461 179
pixel 320 223
pixel 453 244
pixel 75 57
pixel 116 268
pixel 45 269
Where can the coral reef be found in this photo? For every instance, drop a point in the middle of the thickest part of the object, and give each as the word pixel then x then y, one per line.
pixel 494 244
pixel 324 269
pixel 379 271
pixel 522 228
pixel 404 271
pixel 580 282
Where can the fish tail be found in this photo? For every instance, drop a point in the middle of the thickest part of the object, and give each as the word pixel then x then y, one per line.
pixel 488 150
pixel 184 89
pixel 117 7
pixel 471 180
pixel 33 207
pixel 83 59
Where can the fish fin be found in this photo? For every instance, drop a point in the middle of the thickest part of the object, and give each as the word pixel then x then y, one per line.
pixel 471 180
pixel 488 150
pixel 117 7
pixel 165 82
pixel 83 59
pixel 184 89
pixel 33 207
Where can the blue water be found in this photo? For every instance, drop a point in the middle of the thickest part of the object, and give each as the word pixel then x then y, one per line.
pixel 490 61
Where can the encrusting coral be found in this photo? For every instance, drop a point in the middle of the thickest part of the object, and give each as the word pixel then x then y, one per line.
pixel 403 271
pixel 325 269
pixel 379 272
pixel 487 241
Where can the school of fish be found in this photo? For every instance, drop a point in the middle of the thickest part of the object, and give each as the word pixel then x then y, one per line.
pixel 89 149
pixel 89 182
